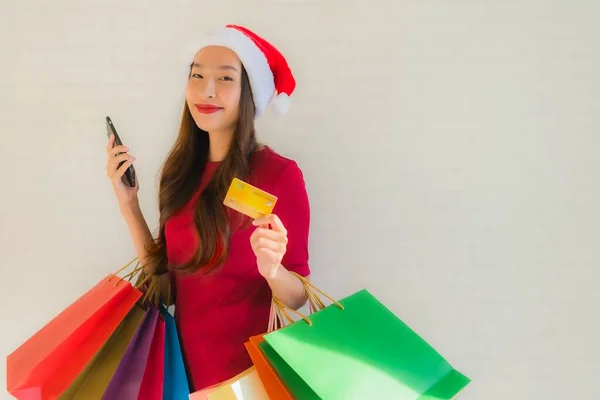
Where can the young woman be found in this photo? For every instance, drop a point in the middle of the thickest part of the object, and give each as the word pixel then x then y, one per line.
pixel 223 267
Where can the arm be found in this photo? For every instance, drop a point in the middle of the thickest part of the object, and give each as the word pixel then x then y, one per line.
pixel 128 202
pixel 141 236
pixel 280 241
pixel 138 229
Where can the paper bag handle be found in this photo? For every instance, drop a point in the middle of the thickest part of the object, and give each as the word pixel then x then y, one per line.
pixel 281 312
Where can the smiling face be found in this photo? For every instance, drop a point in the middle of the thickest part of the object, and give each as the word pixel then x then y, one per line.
pixel 214 88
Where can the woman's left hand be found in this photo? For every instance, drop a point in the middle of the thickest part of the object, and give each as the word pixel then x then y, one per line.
pixel 269 245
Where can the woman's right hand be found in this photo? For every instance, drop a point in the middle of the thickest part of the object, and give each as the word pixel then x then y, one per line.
pixel 125 195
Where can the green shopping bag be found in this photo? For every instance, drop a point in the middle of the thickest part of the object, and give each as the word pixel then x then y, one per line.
pixel 358 349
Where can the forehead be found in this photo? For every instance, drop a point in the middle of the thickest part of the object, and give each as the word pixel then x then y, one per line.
pixel 212 56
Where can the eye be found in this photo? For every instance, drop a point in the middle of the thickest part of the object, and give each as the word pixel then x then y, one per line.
pixel 226 78
pixel 197 76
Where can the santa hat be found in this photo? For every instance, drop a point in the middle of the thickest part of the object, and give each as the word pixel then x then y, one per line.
pixel 270 77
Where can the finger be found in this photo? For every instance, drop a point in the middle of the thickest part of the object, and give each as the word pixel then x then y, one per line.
pixel 262 221
pixel 259 243
pixel 262 243
pixel 115 151
pixel 270 234
pixel 118 149
pixel 113 166
pixel 121 170
pixel 114 162
pixel 267 234
pixel 270 219
pixel 269 253
pixel 277 224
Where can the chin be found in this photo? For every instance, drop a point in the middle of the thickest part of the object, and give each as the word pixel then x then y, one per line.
pixel 206 124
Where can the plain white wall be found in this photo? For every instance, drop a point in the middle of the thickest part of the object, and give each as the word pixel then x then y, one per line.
pixel 449 147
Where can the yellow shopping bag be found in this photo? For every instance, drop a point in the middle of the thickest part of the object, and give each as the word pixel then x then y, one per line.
pixel 245 386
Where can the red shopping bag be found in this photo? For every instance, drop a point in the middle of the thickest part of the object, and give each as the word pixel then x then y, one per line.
pixel 152 383
pixel 44 365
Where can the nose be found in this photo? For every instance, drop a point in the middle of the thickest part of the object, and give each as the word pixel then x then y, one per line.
pixel 209 89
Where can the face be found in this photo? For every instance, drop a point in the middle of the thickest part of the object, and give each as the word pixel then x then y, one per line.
pixel 214 88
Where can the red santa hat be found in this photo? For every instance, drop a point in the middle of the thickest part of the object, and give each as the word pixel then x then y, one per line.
pixel 270 77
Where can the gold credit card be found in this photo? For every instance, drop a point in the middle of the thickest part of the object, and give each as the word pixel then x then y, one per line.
pixel 248 199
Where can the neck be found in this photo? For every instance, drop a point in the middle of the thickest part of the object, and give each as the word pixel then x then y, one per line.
pixel 219 143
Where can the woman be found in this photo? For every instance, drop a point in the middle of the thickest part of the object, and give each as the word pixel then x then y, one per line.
pixel 223 268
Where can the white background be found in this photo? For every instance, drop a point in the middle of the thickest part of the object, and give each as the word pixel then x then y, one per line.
pixel 449 147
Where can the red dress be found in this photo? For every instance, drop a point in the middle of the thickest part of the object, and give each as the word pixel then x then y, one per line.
pixel 217 314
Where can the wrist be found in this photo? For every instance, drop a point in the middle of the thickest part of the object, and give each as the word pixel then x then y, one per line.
pixel 275 274
pixel 130 207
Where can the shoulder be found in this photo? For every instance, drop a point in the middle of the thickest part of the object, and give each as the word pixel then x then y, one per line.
pixel 270 170
pixel 282 177
pixel 267 158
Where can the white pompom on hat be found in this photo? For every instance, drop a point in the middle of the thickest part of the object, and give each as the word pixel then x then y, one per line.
pixel 270 77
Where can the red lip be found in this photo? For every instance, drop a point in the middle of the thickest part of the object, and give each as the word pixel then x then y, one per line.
pixel 207 108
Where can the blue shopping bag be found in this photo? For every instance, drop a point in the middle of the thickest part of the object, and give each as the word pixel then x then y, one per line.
pixel 176 385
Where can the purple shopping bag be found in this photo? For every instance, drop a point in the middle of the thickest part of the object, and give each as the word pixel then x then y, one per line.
pixel 127 380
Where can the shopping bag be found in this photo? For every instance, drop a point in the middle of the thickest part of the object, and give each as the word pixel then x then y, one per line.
pixel 358 349
pixel 117 370
pixel 126 382
pixel 176 385
pixel 272 382
pixel 92 382
pixel 44 365
pixel 245 386
pixel 152 383
pixel 153 378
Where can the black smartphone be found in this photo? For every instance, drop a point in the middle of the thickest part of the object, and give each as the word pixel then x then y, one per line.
pixel 129 176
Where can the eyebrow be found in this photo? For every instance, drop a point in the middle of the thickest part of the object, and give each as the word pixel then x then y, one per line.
pixel 223 67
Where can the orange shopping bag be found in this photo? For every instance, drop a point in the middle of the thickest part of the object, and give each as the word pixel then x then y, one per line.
pixel 44 365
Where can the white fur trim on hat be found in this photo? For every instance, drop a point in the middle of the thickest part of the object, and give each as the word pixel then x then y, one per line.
pixel 281 103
